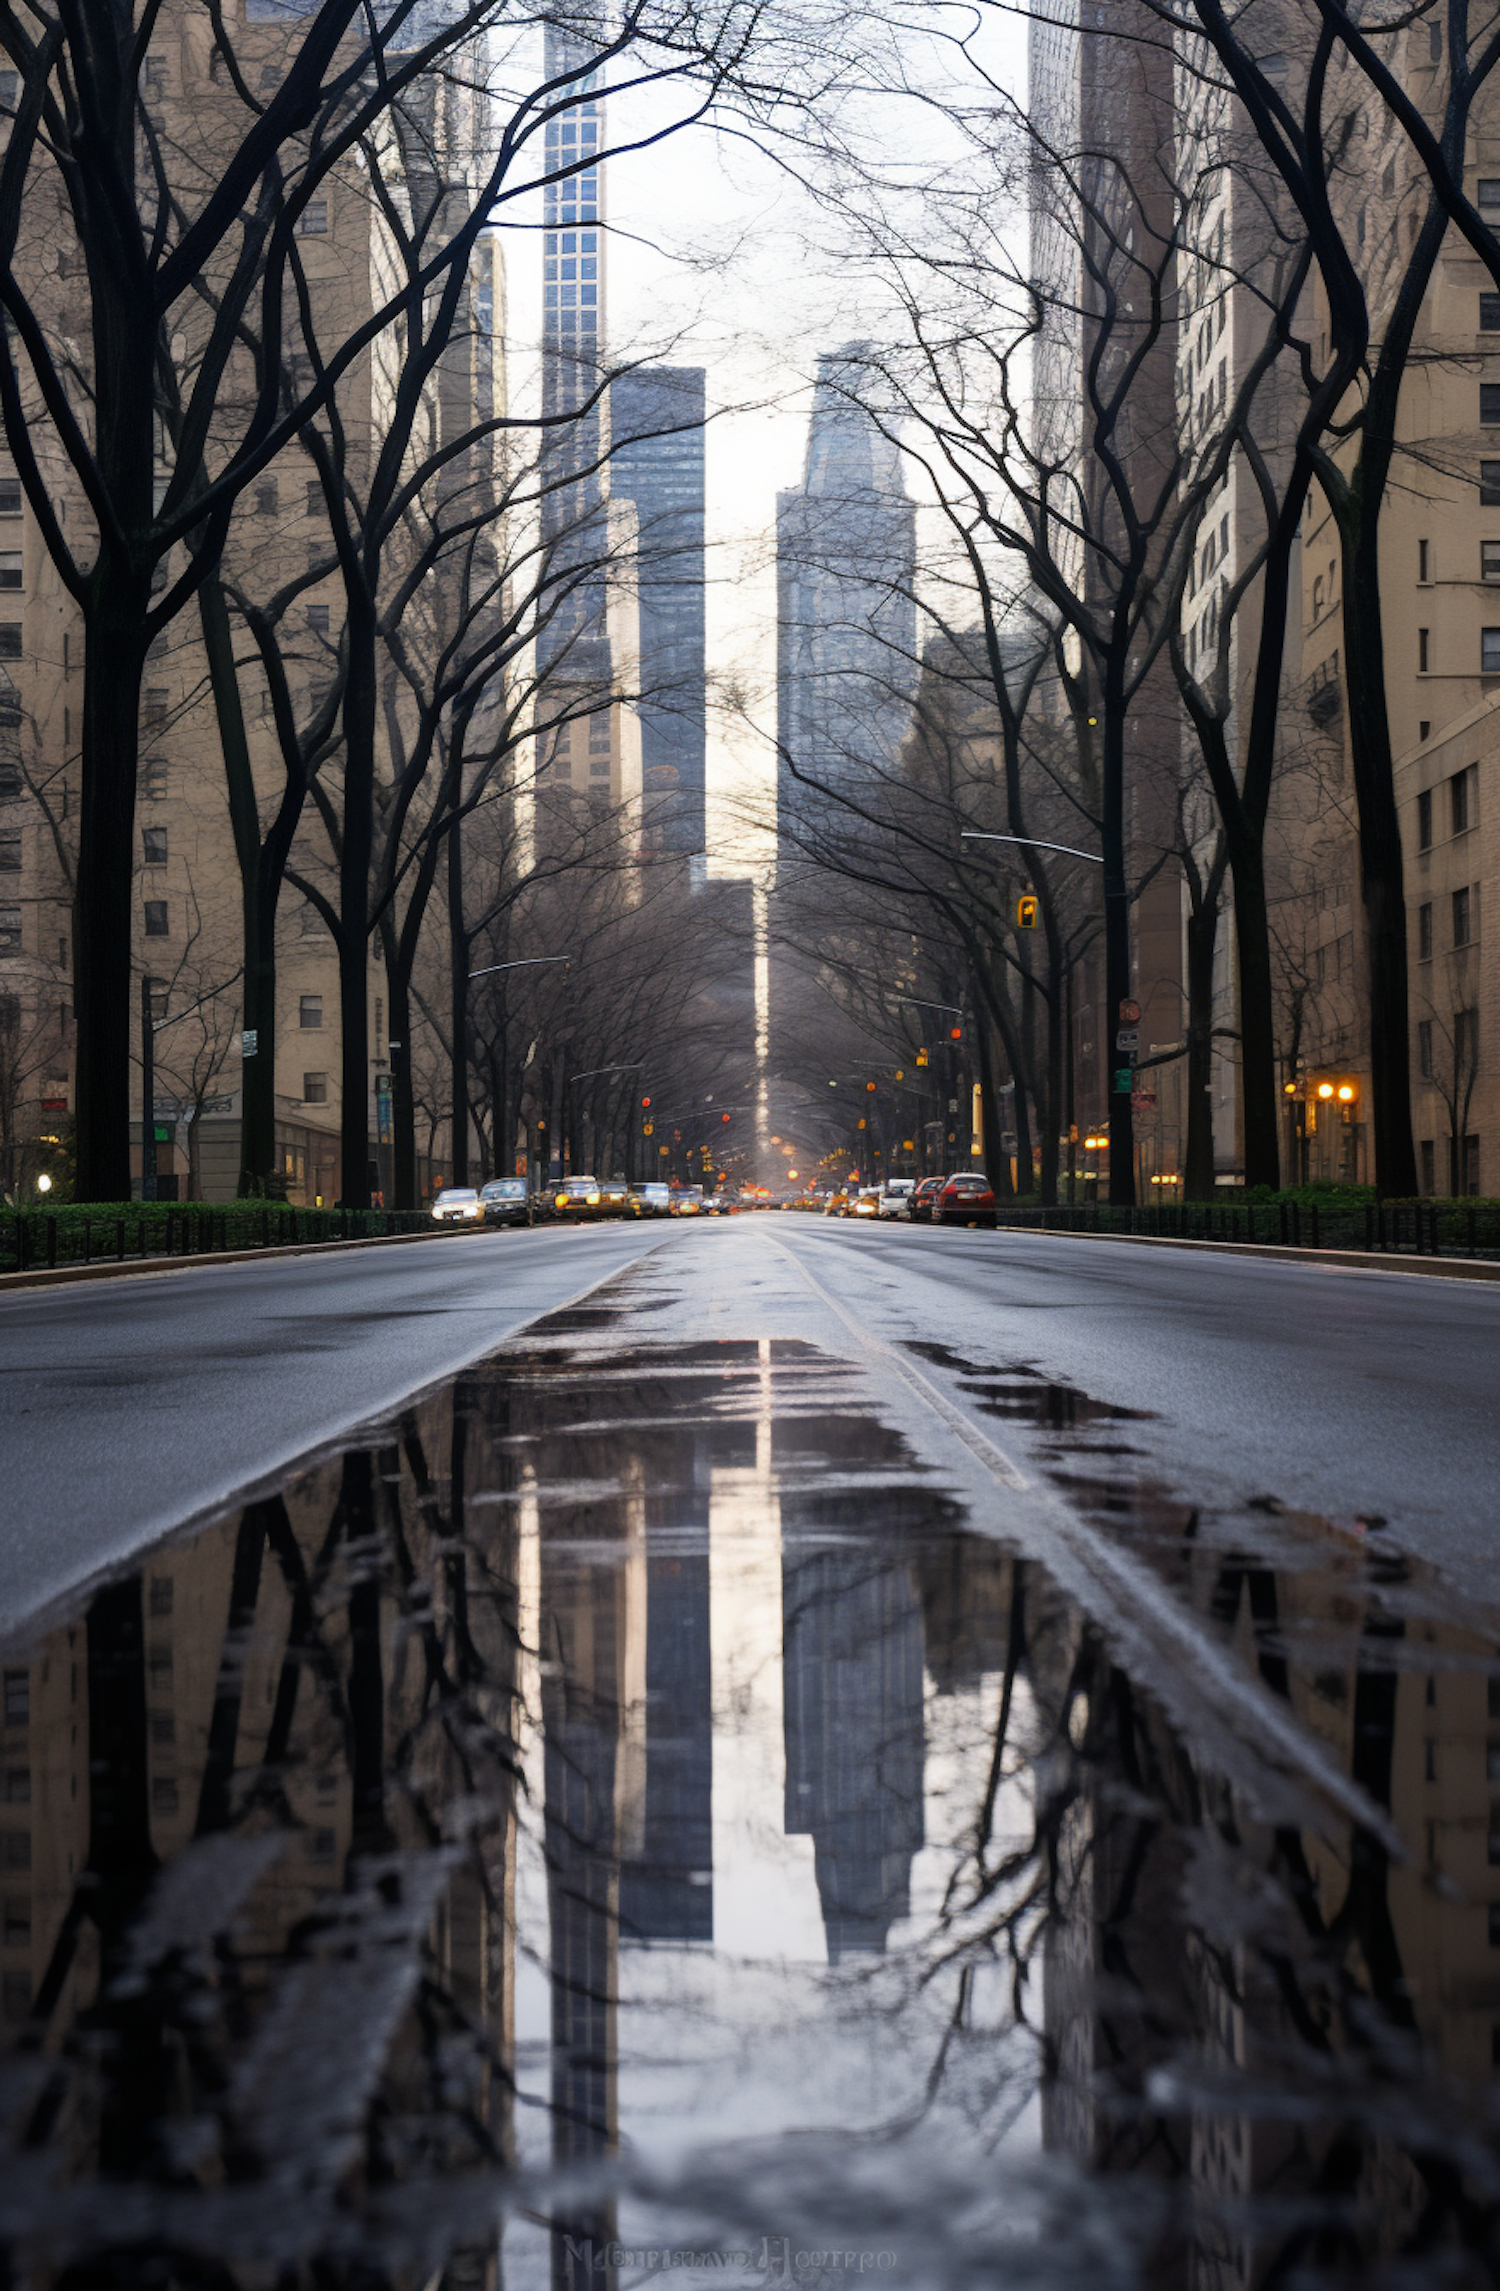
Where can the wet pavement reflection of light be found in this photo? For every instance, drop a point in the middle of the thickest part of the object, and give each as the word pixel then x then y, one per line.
pixel 626 1809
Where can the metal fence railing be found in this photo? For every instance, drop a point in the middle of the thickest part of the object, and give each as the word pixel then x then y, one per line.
pixel 34 1238
pixel 1382 1228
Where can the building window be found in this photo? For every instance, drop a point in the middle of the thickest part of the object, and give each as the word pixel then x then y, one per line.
pixel 1424 1048
pixel 317 619
pixel 315 1089
pixel 313 220
pixel 10 89
pixel 315 495
pixel 1422 651
pixel 1462 916
pixel 1424 820
pixel 10 851
pixel 154 704
pixel 18 1698
pixel 156 919
pixel 598 767
pixel 15 1849
pixel 1487 196
pixel 10 497
pixel 159 993
pixel 18 1785
pixel 1489 313
pixel 1462 790
pixel 1423 554
pixel 1428 1151
pixel 1489 560
pixel 17 1930
pixel 10 640
pixel 266 497
pixel 154 779
pixel 1489 403
pixel 1465 1042
pixel 163 1794
pixel 310 1011
pixel 154 846
pixel 1424 932
pixel 10 930
pixel 1489 654
pixel 12 571
pixel 1489 485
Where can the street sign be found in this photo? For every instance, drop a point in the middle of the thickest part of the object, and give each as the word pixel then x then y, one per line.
pixel 1130 1013
pixel 249 1042
pixel 1128 1039
pixel 1123 1079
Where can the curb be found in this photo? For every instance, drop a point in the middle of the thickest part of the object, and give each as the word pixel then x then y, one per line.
pixel 1353 1260
pixel 116 1269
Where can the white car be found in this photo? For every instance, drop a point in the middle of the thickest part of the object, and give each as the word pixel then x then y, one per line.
pixel 458 1205
pixel 895 1194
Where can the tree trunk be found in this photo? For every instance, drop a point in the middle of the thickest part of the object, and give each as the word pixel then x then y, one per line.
pixel 403 1104
pixel 103 906
pixel 458 969
pixel 1118 984
pixel 356 855
pixel 260 892
pixel 1381 877
pixel 1202 942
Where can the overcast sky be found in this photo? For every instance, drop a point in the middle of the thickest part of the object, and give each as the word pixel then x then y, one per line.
pixel 718 255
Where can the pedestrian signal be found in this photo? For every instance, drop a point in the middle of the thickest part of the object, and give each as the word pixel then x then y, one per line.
pixel 1026 911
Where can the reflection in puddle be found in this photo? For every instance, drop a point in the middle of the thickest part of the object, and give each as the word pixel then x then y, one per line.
pixel 625 1809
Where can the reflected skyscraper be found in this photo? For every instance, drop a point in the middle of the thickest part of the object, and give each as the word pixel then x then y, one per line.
pixel 666 1890
pixel 854 1729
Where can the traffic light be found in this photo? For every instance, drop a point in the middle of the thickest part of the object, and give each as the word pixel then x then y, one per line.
pixel 921 1057
pixel 869 1085
pixel 1026 911
pixel 723 1117
pixel 645 1102
pixel 955 1034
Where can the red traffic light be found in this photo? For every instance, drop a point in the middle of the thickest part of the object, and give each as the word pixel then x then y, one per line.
pixel 955 1034
pixel 723 1117
pixel 645 1101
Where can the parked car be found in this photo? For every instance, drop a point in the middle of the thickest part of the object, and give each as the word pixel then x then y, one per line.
pixel 651 1201
pixel 895 1194
pixel 835 1205
pixel 919 1207
pixel 866 1203
pixel 505 1201
pixel 457 1205
pixel 576 1198
pixel 614 1197
pixel 965 1200
pixel 721 1205
pixel 689 1202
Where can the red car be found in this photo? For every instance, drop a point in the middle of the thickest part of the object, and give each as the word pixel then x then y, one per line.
pixel 919 1207
pixel 965 1200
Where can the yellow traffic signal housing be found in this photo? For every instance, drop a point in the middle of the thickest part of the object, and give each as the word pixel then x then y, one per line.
pixel 1026 911
pixel 921 1057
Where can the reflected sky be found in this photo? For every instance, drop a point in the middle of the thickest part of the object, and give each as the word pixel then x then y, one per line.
pixel 627 1807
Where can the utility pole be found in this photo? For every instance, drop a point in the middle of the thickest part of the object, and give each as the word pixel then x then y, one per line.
pixel 148 1095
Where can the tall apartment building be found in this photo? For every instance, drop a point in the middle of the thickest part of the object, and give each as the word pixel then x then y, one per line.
pixel 656 415
pixel 1101 103
pixel 188 940
pixel 1440 589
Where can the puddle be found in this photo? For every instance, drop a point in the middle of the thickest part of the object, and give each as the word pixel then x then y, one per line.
pixel 624 1824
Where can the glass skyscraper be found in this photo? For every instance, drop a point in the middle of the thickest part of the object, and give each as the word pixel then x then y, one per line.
pixel 656 419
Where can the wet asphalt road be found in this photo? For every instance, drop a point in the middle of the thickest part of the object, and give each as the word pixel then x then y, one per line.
pixel 132 1406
